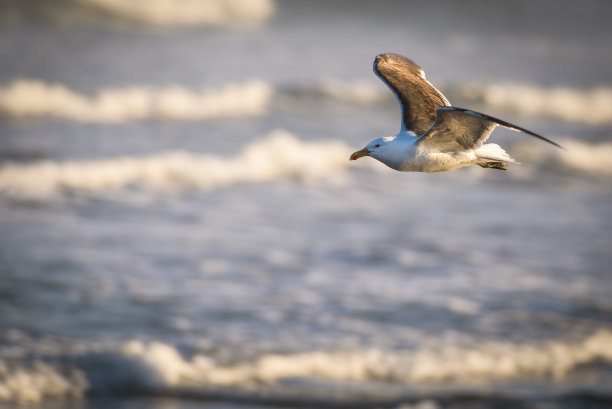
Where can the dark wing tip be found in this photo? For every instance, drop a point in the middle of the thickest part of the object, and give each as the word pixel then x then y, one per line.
pixel 504 124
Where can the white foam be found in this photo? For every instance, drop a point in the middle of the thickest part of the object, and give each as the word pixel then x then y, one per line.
pixel 279 155
pixel 140 367
pixel 480 361
pixel 356 91
pixel 592 159
pixel 485 361
pixel 28 97
pixel 188 13
pixel 163 365
pixel 588 106
pixel 39 381
pixel 500 360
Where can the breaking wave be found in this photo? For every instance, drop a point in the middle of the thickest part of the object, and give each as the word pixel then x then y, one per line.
pixel 31 97
pixel 39 381
pixel 355 91
pixel 493 360
pixel 581 157
pixel 588 106
pixel 188 13
pixel 139 367
pixel 279 155
pixel 23 98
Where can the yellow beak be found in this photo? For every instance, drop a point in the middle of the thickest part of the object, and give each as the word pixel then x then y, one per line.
pixel 360 153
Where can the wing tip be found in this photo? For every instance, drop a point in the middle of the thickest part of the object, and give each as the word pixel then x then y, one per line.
pixel 502 123
pixel 399 59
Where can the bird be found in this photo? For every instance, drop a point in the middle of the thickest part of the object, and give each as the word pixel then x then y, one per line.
pixel 434 136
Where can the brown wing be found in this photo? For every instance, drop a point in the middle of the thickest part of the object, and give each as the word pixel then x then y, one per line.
pixel 458 129
pixel 417 97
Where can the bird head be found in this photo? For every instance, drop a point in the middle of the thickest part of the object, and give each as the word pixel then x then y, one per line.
pixel 373 149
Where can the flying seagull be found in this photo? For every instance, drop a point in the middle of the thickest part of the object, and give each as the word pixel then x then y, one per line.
pixel 435 136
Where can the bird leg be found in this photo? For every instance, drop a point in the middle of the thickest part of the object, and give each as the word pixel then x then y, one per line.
pixel 494 165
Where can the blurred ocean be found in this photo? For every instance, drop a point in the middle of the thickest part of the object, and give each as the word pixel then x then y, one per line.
pixel 180 226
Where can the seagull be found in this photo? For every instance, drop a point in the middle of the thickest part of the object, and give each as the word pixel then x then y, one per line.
pixel 435 136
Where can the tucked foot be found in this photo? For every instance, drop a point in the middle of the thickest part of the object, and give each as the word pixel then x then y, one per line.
pixel 494 165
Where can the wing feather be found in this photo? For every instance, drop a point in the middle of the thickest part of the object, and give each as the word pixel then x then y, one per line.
pixel 458 129
pixel 417 97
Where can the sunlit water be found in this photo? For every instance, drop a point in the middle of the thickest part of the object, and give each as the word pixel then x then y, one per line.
pixel 181 226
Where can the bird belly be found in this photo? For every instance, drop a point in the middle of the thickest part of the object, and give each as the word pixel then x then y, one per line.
pixel 438 162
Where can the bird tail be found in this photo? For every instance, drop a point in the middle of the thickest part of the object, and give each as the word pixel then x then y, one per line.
pixel 491 155
pixel 494 152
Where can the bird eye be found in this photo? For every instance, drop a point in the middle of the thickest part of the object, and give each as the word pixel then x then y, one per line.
pixel 377 145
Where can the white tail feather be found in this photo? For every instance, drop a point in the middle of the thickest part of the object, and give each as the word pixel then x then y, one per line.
pixel 492 151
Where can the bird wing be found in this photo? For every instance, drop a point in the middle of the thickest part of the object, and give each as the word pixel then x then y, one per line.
pixel 458 129
pixel 417 97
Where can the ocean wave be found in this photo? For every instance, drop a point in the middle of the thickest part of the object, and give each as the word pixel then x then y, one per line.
pixel 279 155
pixel 593 159
pixel 188 13
pixel 29 97
pixel 486 361
pixel 155 367
pixel 276 156
pixel 38 381
pixel 355 91
pixel 578 157
pixel 32 97
pixel 588 106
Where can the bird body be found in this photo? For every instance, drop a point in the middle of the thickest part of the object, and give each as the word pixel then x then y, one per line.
pixel 403 152
pixel 434 137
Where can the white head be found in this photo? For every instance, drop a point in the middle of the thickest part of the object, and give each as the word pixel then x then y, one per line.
pixel 378 149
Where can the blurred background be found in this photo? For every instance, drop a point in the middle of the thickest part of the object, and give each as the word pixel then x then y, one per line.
pixel 180 225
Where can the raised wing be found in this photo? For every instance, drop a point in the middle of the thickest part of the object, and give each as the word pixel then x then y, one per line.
pixel 417 97
pixel 457 129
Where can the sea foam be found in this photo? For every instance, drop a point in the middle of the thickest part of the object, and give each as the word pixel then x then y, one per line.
pixel 484 361
pixel 30 97
pixel 588 106
pixel 355 91
pixel 158 368
pixel 38 381
pixel 579 156
pixel 278 155
pixel 188 13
